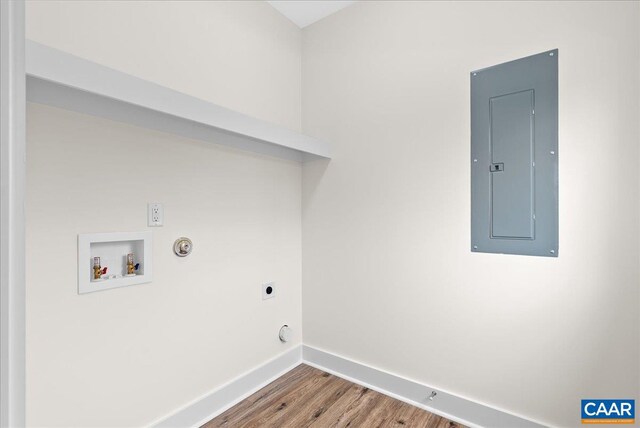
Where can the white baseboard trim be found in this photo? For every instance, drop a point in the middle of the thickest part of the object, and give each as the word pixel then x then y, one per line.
pixel 212 404
pixel 445 404
pixel 448 405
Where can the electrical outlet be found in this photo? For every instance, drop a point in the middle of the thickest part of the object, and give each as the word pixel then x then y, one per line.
pixel 268 290
pixel 155 214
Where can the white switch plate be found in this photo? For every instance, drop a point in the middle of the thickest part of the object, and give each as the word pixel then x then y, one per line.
pixel 155 214
pixel 268 290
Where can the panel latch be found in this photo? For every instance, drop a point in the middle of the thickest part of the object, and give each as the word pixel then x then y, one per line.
pixel 496 167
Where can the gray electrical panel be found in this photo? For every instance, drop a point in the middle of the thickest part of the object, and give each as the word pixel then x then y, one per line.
pixel 514 157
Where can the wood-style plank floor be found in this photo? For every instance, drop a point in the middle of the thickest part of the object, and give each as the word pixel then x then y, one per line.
pixel 306 397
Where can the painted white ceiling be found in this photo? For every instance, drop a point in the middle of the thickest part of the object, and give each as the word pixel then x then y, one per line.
pixel 303 13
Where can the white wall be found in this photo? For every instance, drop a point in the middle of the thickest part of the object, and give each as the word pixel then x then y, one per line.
pixel 242 55
pixel 388 276
pixel 129 356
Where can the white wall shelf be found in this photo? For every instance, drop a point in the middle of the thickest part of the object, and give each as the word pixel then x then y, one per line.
pixel 63 80
pixel 112 248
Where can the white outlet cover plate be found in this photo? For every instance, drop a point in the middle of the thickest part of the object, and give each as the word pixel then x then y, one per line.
pixel 155 213
pixel 265 288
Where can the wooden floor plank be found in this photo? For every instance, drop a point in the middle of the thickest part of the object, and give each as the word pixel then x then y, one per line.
pixel 295 382
pixel 406 416
pixel 335 414
pixel 310 408
pixel 288 404
pixel 308 397
pixel 355 413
